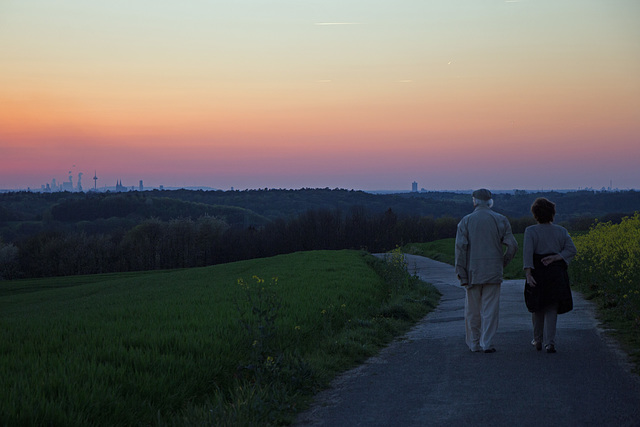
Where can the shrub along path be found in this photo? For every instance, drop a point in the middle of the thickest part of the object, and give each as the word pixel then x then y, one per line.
pixel 429 377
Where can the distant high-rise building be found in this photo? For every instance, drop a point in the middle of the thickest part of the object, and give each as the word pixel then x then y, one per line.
pixel 141 186
pixel 414 187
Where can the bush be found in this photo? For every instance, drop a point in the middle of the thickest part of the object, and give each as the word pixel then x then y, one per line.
pixel 607 270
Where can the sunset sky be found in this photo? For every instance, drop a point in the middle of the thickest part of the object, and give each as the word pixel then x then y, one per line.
pixel 356 94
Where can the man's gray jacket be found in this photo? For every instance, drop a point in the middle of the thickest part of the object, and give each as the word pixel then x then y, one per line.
pixel 479 247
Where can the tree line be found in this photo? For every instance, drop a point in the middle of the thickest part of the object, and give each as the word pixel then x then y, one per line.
pixel 185 242
pixel 102 233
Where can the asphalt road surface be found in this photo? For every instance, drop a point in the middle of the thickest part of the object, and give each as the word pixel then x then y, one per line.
pixel 430 378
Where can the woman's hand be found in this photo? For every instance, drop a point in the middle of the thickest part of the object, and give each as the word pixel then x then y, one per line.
pixel 550 259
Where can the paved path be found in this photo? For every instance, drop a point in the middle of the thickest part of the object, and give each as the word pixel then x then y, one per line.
pixel 430 378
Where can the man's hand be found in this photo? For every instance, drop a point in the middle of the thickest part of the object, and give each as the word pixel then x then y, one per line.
pixel 530 280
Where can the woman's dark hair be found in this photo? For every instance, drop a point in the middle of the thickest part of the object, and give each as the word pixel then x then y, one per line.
pixel 543 210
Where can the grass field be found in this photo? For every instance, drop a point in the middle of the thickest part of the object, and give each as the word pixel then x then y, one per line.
pixel 245 343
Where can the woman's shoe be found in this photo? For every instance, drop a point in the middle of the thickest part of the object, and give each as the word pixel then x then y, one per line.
pixel 550 348
pixel 537 345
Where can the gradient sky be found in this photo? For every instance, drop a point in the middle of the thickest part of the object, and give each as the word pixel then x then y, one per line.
pixel 362 94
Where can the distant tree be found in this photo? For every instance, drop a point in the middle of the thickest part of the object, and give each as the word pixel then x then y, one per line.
pixel 142 247
pixel 445 227
pixel 358 228
pixel 207 236
pixel 9 266
pixel 518 225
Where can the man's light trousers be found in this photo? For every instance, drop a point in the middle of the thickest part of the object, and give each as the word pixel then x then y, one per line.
pixel 482 309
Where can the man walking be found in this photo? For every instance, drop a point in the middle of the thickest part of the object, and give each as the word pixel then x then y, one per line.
pixel 480 260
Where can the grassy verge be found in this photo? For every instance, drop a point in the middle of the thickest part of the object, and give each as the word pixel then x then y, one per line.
pixel 444 250
pixel 246 343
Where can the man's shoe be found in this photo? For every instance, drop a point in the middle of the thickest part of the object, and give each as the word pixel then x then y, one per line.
pixel 537 345
pixel 490 350
pixel 550 348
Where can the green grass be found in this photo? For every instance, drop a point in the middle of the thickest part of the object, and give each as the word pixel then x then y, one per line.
pixel 196 346
pixel 444 251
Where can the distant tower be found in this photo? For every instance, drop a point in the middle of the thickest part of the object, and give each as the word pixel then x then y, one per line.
pixel 80 181
pixel 414 187
pixel 141 186
pixel 95 180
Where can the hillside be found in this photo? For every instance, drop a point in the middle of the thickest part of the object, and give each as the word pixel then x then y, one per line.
pixel 44 235
pixel 266 204
pixel 172 347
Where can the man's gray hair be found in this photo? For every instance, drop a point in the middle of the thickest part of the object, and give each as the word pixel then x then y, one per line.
pixel 486 203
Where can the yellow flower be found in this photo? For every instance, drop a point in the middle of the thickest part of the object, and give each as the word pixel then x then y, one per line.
pixel 323 312
pixel 297 328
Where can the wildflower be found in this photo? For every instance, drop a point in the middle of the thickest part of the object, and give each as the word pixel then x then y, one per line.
pixel 323 312
pixel 297 328
pixel 255 343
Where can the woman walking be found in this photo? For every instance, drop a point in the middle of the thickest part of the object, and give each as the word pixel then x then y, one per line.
pixel 548 249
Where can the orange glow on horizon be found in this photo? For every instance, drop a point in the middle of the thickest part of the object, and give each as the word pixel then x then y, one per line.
pixel 412 90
